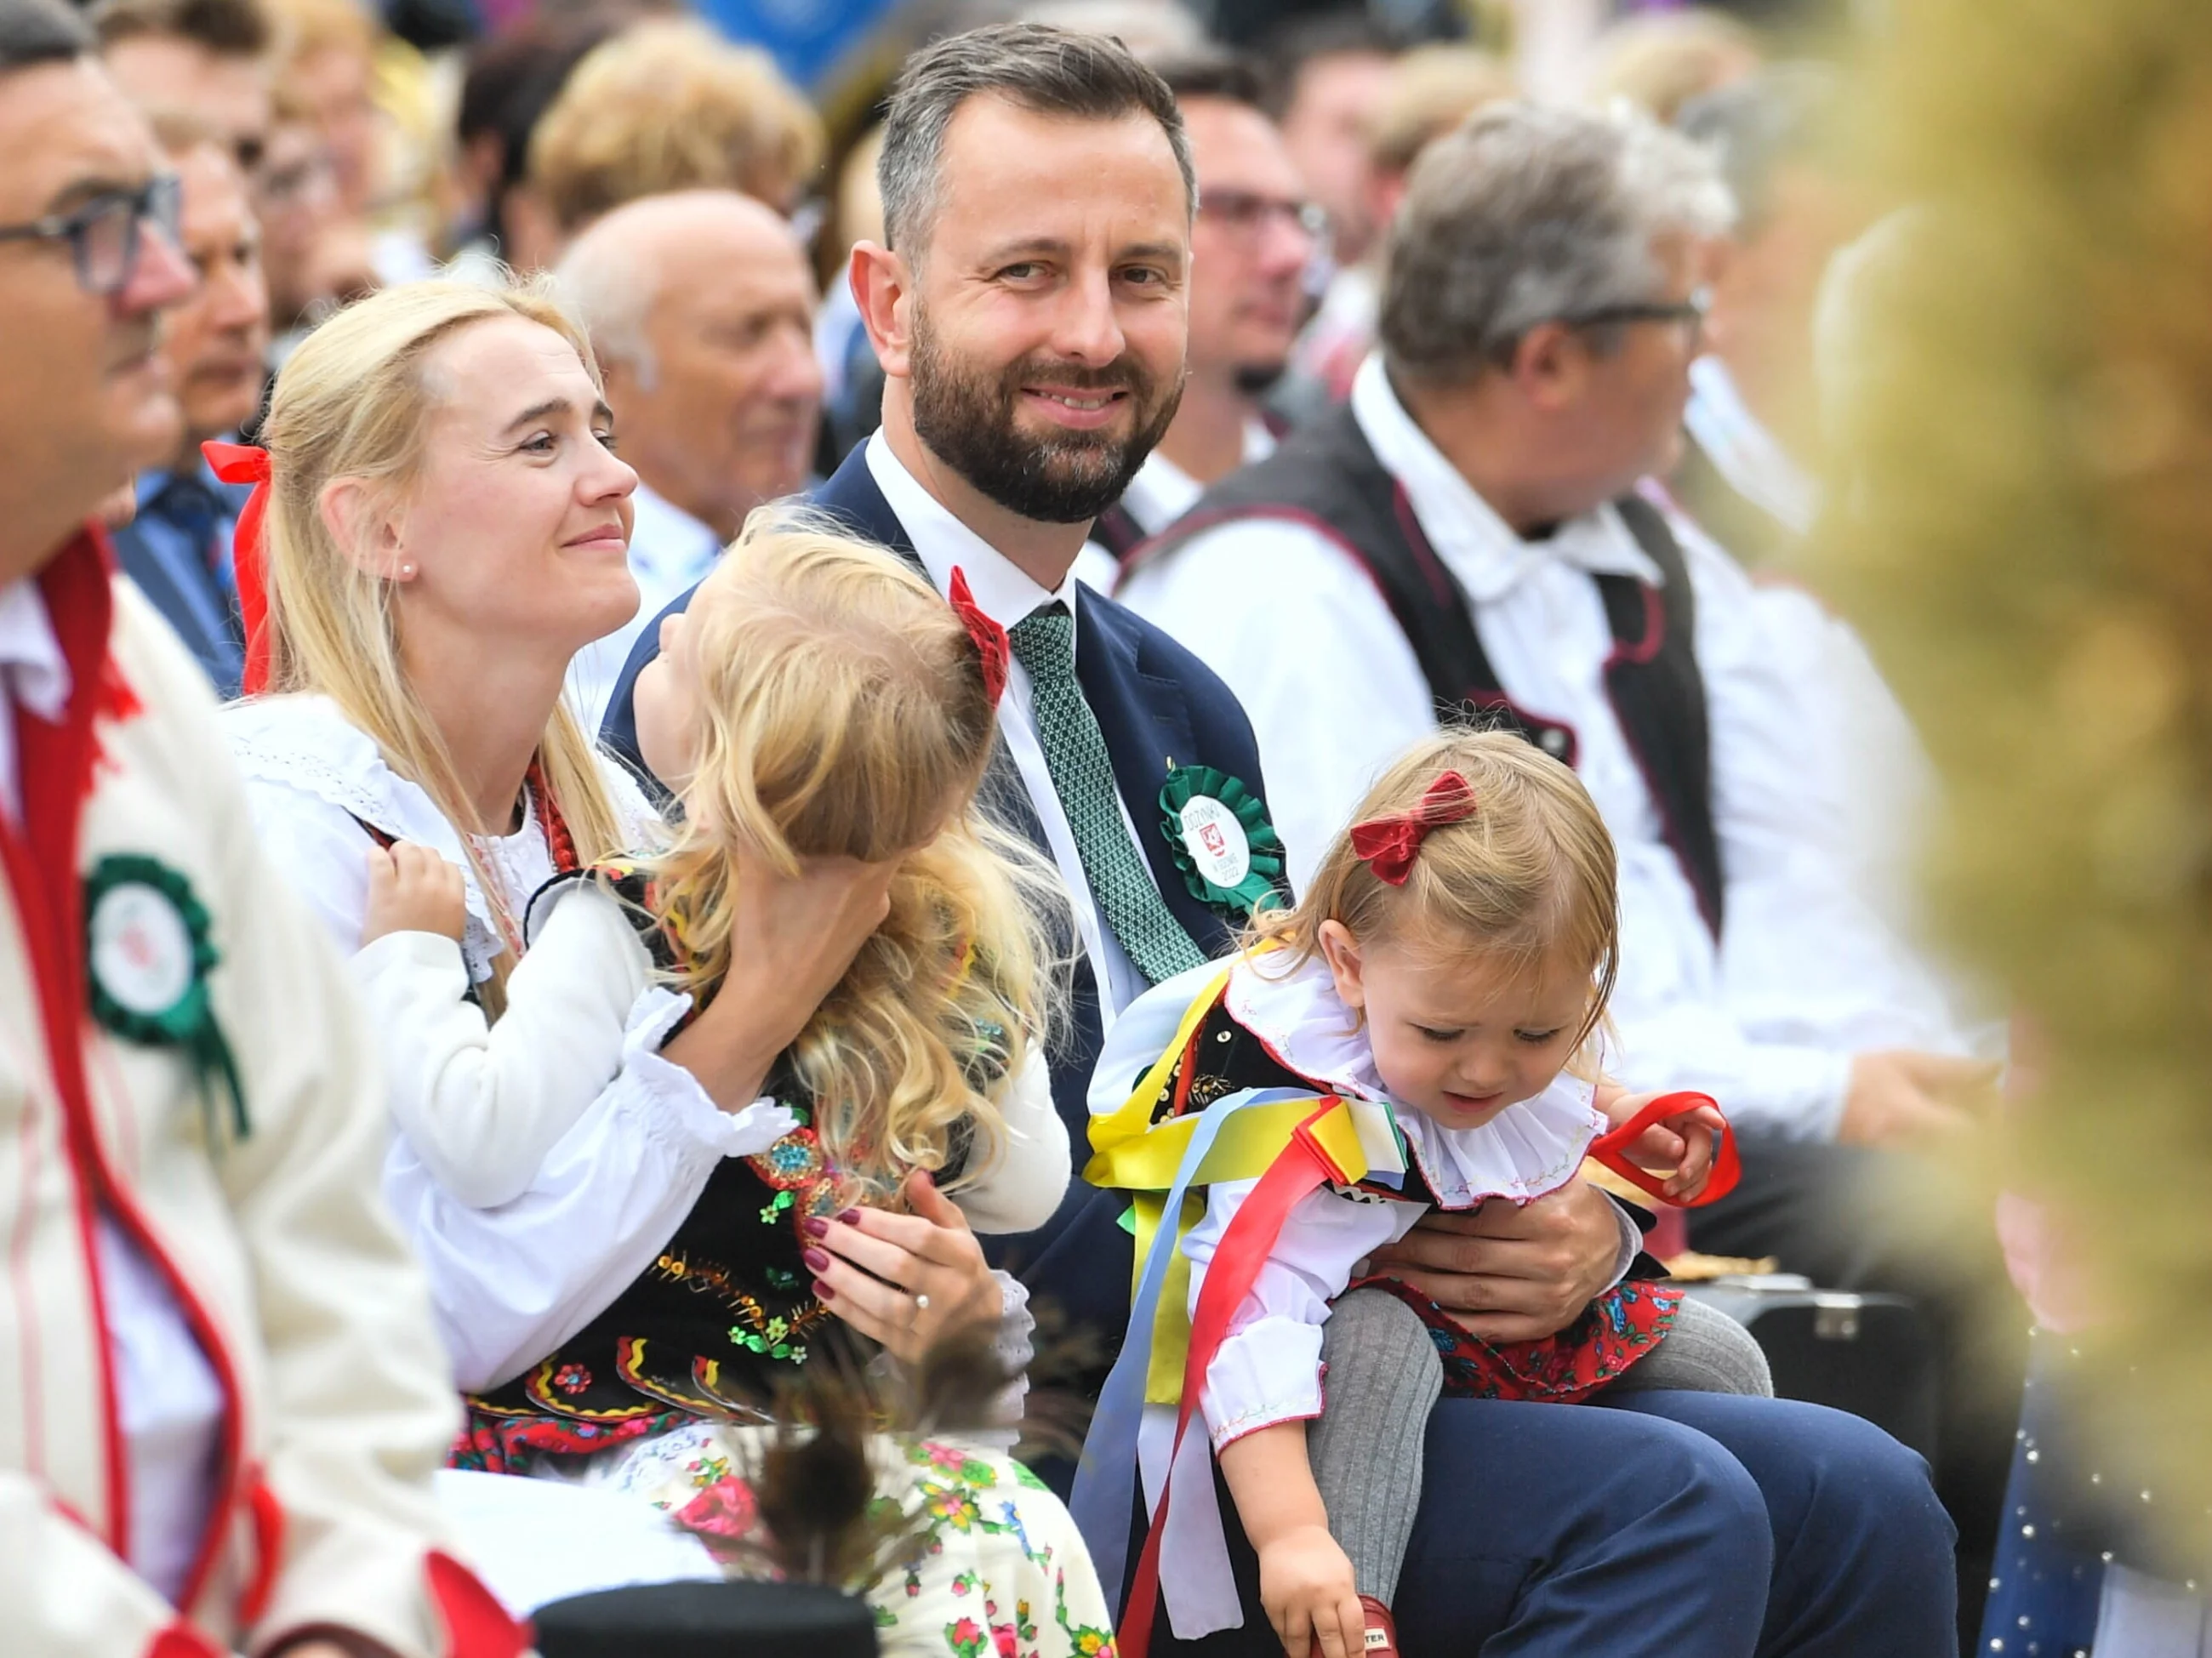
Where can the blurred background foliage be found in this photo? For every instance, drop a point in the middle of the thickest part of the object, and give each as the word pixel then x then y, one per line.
pixel 2020 371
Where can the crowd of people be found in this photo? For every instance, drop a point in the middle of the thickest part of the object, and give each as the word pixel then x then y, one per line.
pixel 1144 712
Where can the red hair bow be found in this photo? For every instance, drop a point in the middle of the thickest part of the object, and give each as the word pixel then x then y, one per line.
pixel 243 463
pixel 1388 845
pixel 990 638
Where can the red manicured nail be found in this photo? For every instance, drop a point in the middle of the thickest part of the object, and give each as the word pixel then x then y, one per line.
pixel 815 1227
pixel 817 1260
pixel 822 1291
pixel 851 1217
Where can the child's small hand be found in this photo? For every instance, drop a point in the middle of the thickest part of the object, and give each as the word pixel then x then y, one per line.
pixel 1307 1587
pixel 412 889
pixel 1673 1143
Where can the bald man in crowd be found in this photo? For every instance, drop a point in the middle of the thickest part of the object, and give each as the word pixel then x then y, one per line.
pixel 701 308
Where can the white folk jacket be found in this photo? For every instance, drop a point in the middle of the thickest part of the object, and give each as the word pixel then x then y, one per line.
pixel 274 1244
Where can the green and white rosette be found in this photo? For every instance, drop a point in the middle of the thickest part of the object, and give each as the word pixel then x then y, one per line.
pixel 1217 828
pixel 147 944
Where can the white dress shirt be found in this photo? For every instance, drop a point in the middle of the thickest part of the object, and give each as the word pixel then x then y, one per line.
pixel 1006 595
pixel 1747 456
pixel 670 553
pixel 1806 975
pixel 167 1394
pixel 1161 493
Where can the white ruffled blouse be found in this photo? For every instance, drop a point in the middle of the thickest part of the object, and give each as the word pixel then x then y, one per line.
pixel 1268 1369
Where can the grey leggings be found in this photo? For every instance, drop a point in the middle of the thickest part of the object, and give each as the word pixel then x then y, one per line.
pixel 1384 1377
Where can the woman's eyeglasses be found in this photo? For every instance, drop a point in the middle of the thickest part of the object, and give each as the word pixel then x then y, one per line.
pixel 104 236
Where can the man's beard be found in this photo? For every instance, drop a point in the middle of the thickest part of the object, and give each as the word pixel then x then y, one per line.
pixel 969 422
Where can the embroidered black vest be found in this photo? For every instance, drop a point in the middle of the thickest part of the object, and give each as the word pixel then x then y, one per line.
pixel 1326 477
pixel 726 1313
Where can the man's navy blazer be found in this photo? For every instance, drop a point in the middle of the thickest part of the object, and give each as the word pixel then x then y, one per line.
pixel 206 621
pixel 1155 702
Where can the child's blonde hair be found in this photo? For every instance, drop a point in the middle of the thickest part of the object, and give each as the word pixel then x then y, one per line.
pixel 353 402
pixel 1528 876
pixel 842 713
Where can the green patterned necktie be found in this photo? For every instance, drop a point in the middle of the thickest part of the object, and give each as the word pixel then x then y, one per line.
pixel 1083 777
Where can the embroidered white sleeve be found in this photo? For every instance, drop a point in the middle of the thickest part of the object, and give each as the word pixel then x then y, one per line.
pixel 1267 1370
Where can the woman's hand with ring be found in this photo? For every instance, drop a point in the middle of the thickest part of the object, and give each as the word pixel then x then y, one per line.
pixel 904 1280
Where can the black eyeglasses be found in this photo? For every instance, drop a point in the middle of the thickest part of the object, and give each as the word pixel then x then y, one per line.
pixel 1692 311
pixel 103 235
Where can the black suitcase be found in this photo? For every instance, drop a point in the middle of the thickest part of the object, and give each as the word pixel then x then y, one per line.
pixel 1868 1354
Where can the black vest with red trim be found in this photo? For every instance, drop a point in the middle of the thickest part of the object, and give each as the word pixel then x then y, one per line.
pixel 1326 477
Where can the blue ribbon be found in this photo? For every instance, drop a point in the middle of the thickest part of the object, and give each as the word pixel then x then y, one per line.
pixel 1106 1479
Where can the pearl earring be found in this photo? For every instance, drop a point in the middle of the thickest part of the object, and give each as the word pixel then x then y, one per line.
pixel 407 571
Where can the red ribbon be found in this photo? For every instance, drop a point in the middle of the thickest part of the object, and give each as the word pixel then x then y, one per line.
pixel 1612 1150
pixel 990 638
pixel 1245 1245
pixel 245 463
pixel 1388 845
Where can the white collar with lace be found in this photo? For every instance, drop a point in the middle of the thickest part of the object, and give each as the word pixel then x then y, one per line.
pixel 306 743
pixel 1527 1150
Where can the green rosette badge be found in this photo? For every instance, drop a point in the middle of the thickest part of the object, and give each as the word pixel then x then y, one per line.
pixel 1227 850
pixel 147 944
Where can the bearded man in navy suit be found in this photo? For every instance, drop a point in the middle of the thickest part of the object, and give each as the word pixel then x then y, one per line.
pixel 1029 314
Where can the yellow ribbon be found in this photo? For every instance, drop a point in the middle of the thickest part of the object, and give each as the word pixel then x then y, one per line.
pixel 1131 1153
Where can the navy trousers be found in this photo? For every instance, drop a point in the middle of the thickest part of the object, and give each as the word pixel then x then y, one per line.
pixel 1686 1525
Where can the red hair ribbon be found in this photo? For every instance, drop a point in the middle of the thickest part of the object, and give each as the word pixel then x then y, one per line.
pixel 245 463
pixel 1388 845
pixel 990 638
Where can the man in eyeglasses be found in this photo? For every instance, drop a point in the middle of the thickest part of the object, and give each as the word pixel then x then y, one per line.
pixel 178 548
pixel 220 1397
pixel 1253 239
pixel 207 59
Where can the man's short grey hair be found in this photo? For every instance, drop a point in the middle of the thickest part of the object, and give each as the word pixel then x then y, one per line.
pixel 1046 70
pixel 1528 215
pixel 611 291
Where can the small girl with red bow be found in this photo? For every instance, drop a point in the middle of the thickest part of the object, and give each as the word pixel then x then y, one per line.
pixel 1445 977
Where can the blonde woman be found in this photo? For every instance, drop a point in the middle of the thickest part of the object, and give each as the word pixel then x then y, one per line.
pixel 445 525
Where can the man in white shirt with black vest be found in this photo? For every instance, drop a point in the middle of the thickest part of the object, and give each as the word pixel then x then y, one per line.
pixel 1467 530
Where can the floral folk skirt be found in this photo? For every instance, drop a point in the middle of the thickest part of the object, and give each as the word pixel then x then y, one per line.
pixel 1616 1330
pixel 994 1568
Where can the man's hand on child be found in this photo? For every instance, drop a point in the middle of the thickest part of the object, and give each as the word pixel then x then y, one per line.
pixel 1512 1272
pixel 1307 1587
pixel 412 889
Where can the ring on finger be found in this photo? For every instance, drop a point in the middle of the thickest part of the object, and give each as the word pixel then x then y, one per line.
pixel 921 1303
